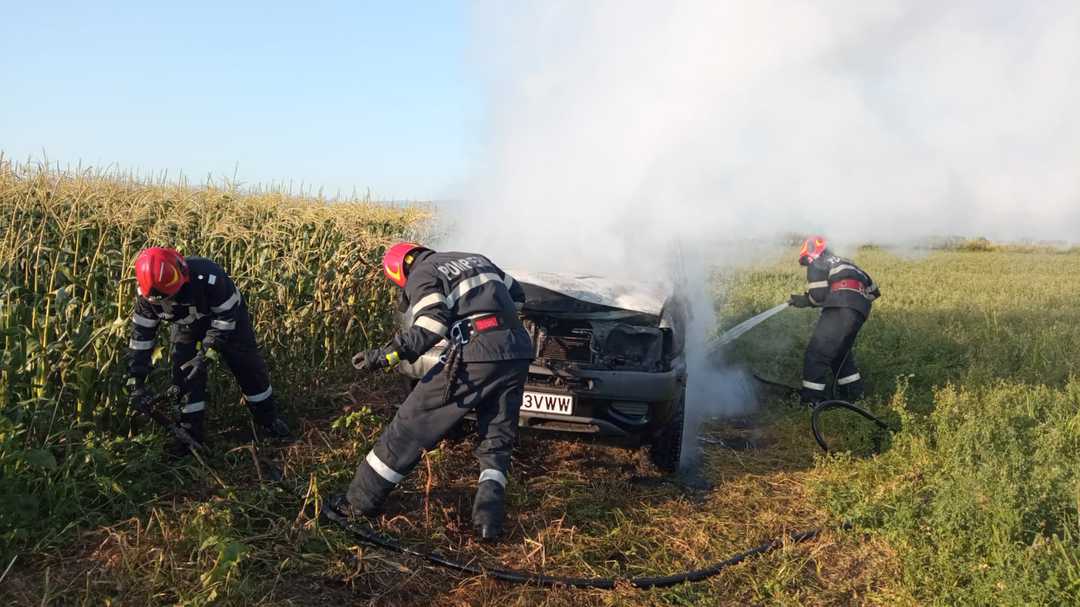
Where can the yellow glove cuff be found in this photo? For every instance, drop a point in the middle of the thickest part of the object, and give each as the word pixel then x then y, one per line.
pixel 392 359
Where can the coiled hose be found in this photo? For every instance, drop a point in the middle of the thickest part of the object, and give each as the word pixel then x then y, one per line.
pixel 826 405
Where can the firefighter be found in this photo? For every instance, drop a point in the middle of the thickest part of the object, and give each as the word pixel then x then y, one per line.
pixel 467 300
pixel 206 312
pixel 844 292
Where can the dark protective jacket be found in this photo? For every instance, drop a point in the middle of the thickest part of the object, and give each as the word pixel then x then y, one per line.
pixel 445 288
pixel 835 282
pixel 208 292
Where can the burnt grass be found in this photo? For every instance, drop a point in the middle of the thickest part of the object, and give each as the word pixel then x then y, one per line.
pixel 219 535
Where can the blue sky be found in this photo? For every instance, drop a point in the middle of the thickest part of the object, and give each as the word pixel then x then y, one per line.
pixel 372 95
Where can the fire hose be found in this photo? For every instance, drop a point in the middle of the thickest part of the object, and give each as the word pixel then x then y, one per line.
pixel 367 535
pixel 815 424
pixel 527 577
pixel 822 407
pixel 826 405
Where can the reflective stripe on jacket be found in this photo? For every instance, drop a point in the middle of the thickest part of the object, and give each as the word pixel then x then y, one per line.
pixel 443 288
pixel 823 277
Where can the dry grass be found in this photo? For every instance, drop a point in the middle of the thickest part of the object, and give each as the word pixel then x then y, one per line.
pixel 575 509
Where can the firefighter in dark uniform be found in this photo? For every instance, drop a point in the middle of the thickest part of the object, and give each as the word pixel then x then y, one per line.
pixel 467 300
pixel 205 309
pixel 844 292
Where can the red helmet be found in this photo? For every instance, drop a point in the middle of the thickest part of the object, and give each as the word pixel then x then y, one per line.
pixel 160 272
pixel 396 260
pixel 812 248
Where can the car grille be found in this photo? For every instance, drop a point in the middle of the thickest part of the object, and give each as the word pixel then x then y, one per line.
pixel 573 348
pixel 632 409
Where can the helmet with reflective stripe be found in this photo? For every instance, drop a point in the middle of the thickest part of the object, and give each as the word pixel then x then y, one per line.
pixel 812 248
pixel 160 272
pixel 398 258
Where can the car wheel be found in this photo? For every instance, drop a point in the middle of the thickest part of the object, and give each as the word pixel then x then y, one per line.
pixel 666 447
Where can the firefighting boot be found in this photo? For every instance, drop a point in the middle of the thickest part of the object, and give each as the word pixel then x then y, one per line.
pixel 192 424
pixel 267 422
pixel 339 509
pixel 367 492
pixel 810 398
pixel 851 392
pixel 489 509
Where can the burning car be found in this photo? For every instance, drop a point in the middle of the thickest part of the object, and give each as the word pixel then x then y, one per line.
pixel 609 362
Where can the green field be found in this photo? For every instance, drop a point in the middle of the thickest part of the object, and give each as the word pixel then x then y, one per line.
pixel 974 355
pixel 977 356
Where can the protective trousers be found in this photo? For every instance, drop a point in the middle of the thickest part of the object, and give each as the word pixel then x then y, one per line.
pixel 240 353
pixel 493 389
pixel 831 349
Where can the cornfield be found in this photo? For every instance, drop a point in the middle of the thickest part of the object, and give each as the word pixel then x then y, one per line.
pixel 306 267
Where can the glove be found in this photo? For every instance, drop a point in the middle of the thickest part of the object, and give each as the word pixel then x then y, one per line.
pixel 195 366
pixel 209 343
pixel 799 301
pixel 378 358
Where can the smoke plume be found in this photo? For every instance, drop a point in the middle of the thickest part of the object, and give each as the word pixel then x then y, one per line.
pixel 614 122
pixel 617 128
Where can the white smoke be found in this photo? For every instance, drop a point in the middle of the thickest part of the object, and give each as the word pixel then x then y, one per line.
pixel 712 389
pixel 620 124
pixel 618 127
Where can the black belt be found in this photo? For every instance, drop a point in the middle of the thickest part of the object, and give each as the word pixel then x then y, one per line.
pixel 463 330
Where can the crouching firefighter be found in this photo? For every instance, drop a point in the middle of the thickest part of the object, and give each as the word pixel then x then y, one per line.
pixel 205 312
pixel 844 292
pixel 467 300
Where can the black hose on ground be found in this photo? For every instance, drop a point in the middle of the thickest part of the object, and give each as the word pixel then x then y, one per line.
pixel 370 537
pixel 826 405
pixel 775 384
pixel 822 407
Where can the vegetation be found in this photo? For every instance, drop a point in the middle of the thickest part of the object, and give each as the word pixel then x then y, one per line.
pixel 67 459
pixel 971 354
pixel 975 355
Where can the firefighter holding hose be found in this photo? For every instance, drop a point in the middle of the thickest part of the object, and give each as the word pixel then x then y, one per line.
pixel 471 303
pixel 206 312
pixel 845 293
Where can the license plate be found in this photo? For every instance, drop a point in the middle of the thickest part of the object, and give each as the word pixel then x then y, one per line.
pixel 543 402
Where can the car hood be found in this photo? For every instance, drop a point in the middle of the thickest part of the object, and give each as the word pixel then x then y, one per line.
pixel 552 292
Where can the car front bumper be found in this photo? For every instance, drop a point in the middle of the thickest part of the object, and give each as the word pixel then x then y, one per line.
pixel 599 395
